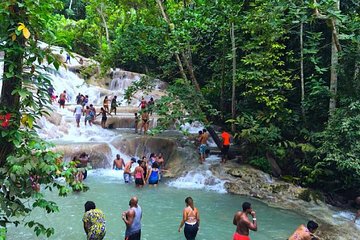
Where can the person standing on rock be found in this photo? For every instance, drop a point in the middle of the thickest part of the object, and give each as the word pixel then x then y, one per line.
pixel 103 113
pixel 225 145
pixel 88 115
pixel 136 122
pixel 78 112
pixel 127 170
pixel 243 224
pixel 114 105
pixel 144 122
pixel 191 219
pixel 132 219
pixel 118 163
pixel 143 104
pixel 62 99
pixel 106 103
pixel 305 233
pixel 203 137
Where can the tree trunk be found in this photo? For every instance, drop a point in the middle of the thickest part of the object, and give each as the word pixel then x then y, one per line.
pixel 334 63
pixel 222 89
pixel 70 4
pixel 177 57
pixel 191 72
pixel 101 13
pixel 276 171
pixel 233 97
pixel 302 70
pixel 9 101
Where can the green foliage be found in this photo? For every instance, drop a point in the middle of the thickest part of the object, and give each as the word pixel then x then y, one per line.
pixel 261 163
pixel 338 166
pixel 26 163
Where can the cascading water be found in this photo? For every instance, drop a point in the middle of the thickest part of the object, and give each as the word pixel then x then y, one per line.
pixel 163 205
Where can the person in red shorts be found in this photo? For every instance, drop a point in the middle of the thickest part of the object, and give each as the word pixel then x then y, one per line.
pixel 243 224
pixel 225 145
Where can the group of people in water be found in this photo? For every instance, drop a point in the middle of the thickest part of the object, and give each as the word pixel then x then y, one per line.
pixel 95 224
pixel 148 171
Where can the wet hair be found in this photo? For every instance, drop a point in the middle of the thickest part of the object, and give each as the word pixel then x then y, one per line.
pixel 246 206
pixel 83 154
pixel 204 130
pixel 135 114
pixel 133 159
pixel 152 155
pixel 117 155
pixel 200 132
pixel 91 105
pixel 87 107
pixel 106 97
pixel 139 162
pixel 189 201
pixel 89 205
pixel 155 165
pixel 311 225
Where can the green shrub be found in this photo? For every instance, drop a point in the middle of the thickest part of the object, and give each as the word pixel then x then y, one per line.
pixel 261 163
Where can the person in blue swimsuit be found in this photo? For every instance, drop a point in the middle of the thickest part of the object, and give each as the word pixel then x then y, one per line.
pixel 154 174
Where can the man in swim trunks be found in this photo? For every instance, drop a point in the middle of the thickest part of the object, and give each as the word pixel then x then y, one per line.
pixel 203 145
pixel 62 99
pixel 305 233
pixel 118 163
pixel 243 224
pixel 127 170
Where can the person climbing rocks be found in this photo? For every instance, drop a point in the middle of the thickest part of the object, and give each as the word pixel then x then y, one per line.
pixel 305 233
pixel 106 103
pixel 242 222
pixel 67 58
pixel 103 113
pixel 114 105
pixel 78 112
pixel 203 137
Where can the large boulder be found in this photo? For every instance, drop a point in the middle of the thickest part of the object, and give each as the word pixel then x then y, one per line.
pixel 99 153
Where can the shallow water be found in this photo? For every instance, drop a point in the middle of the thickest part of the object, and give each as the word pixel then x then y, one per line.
pixel 162 211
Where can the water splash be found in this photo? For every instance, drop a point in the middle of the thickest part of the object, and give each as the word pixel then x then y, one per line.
pixel 201 178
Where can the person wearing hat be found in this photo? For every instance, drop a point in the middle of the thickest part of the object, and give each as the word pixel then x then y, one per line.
pixel 127 170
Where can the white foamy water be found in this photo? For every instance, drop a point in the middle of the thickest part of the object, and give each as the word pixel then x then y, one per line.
pixel 201 178
pixel 347 216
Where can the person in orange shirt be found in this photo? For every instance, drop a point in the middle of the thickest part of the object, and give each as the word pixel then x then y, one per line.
pixel 225 145
pixel 305 233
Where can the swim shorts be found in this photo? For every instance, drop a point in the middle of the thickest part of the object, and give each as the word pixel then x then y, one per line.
pixel 139 181
pixel 237 236
pixel 202 149
pixel 127 177
pixel 77 117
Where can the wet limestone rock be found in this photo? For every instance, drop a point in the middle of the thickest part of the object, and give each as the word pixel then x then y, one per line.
pixel 99 153
pixel 55 118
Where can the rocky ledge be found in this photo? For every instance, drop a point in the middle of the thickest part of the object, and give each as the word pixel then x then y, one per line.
pixel 247 181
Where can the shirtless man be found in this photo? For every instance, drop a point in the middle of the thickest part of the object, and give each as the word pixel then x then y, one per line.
pixel 127 170
pixel 243 224
pixel 203 145
pixel 62 99
pixel 305 233
pixel 118 163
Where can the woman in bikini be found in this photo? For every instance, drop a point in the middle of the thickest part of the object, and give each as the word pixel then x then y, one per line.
pixel 145 121
pixel 191 220
pixel 106 103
